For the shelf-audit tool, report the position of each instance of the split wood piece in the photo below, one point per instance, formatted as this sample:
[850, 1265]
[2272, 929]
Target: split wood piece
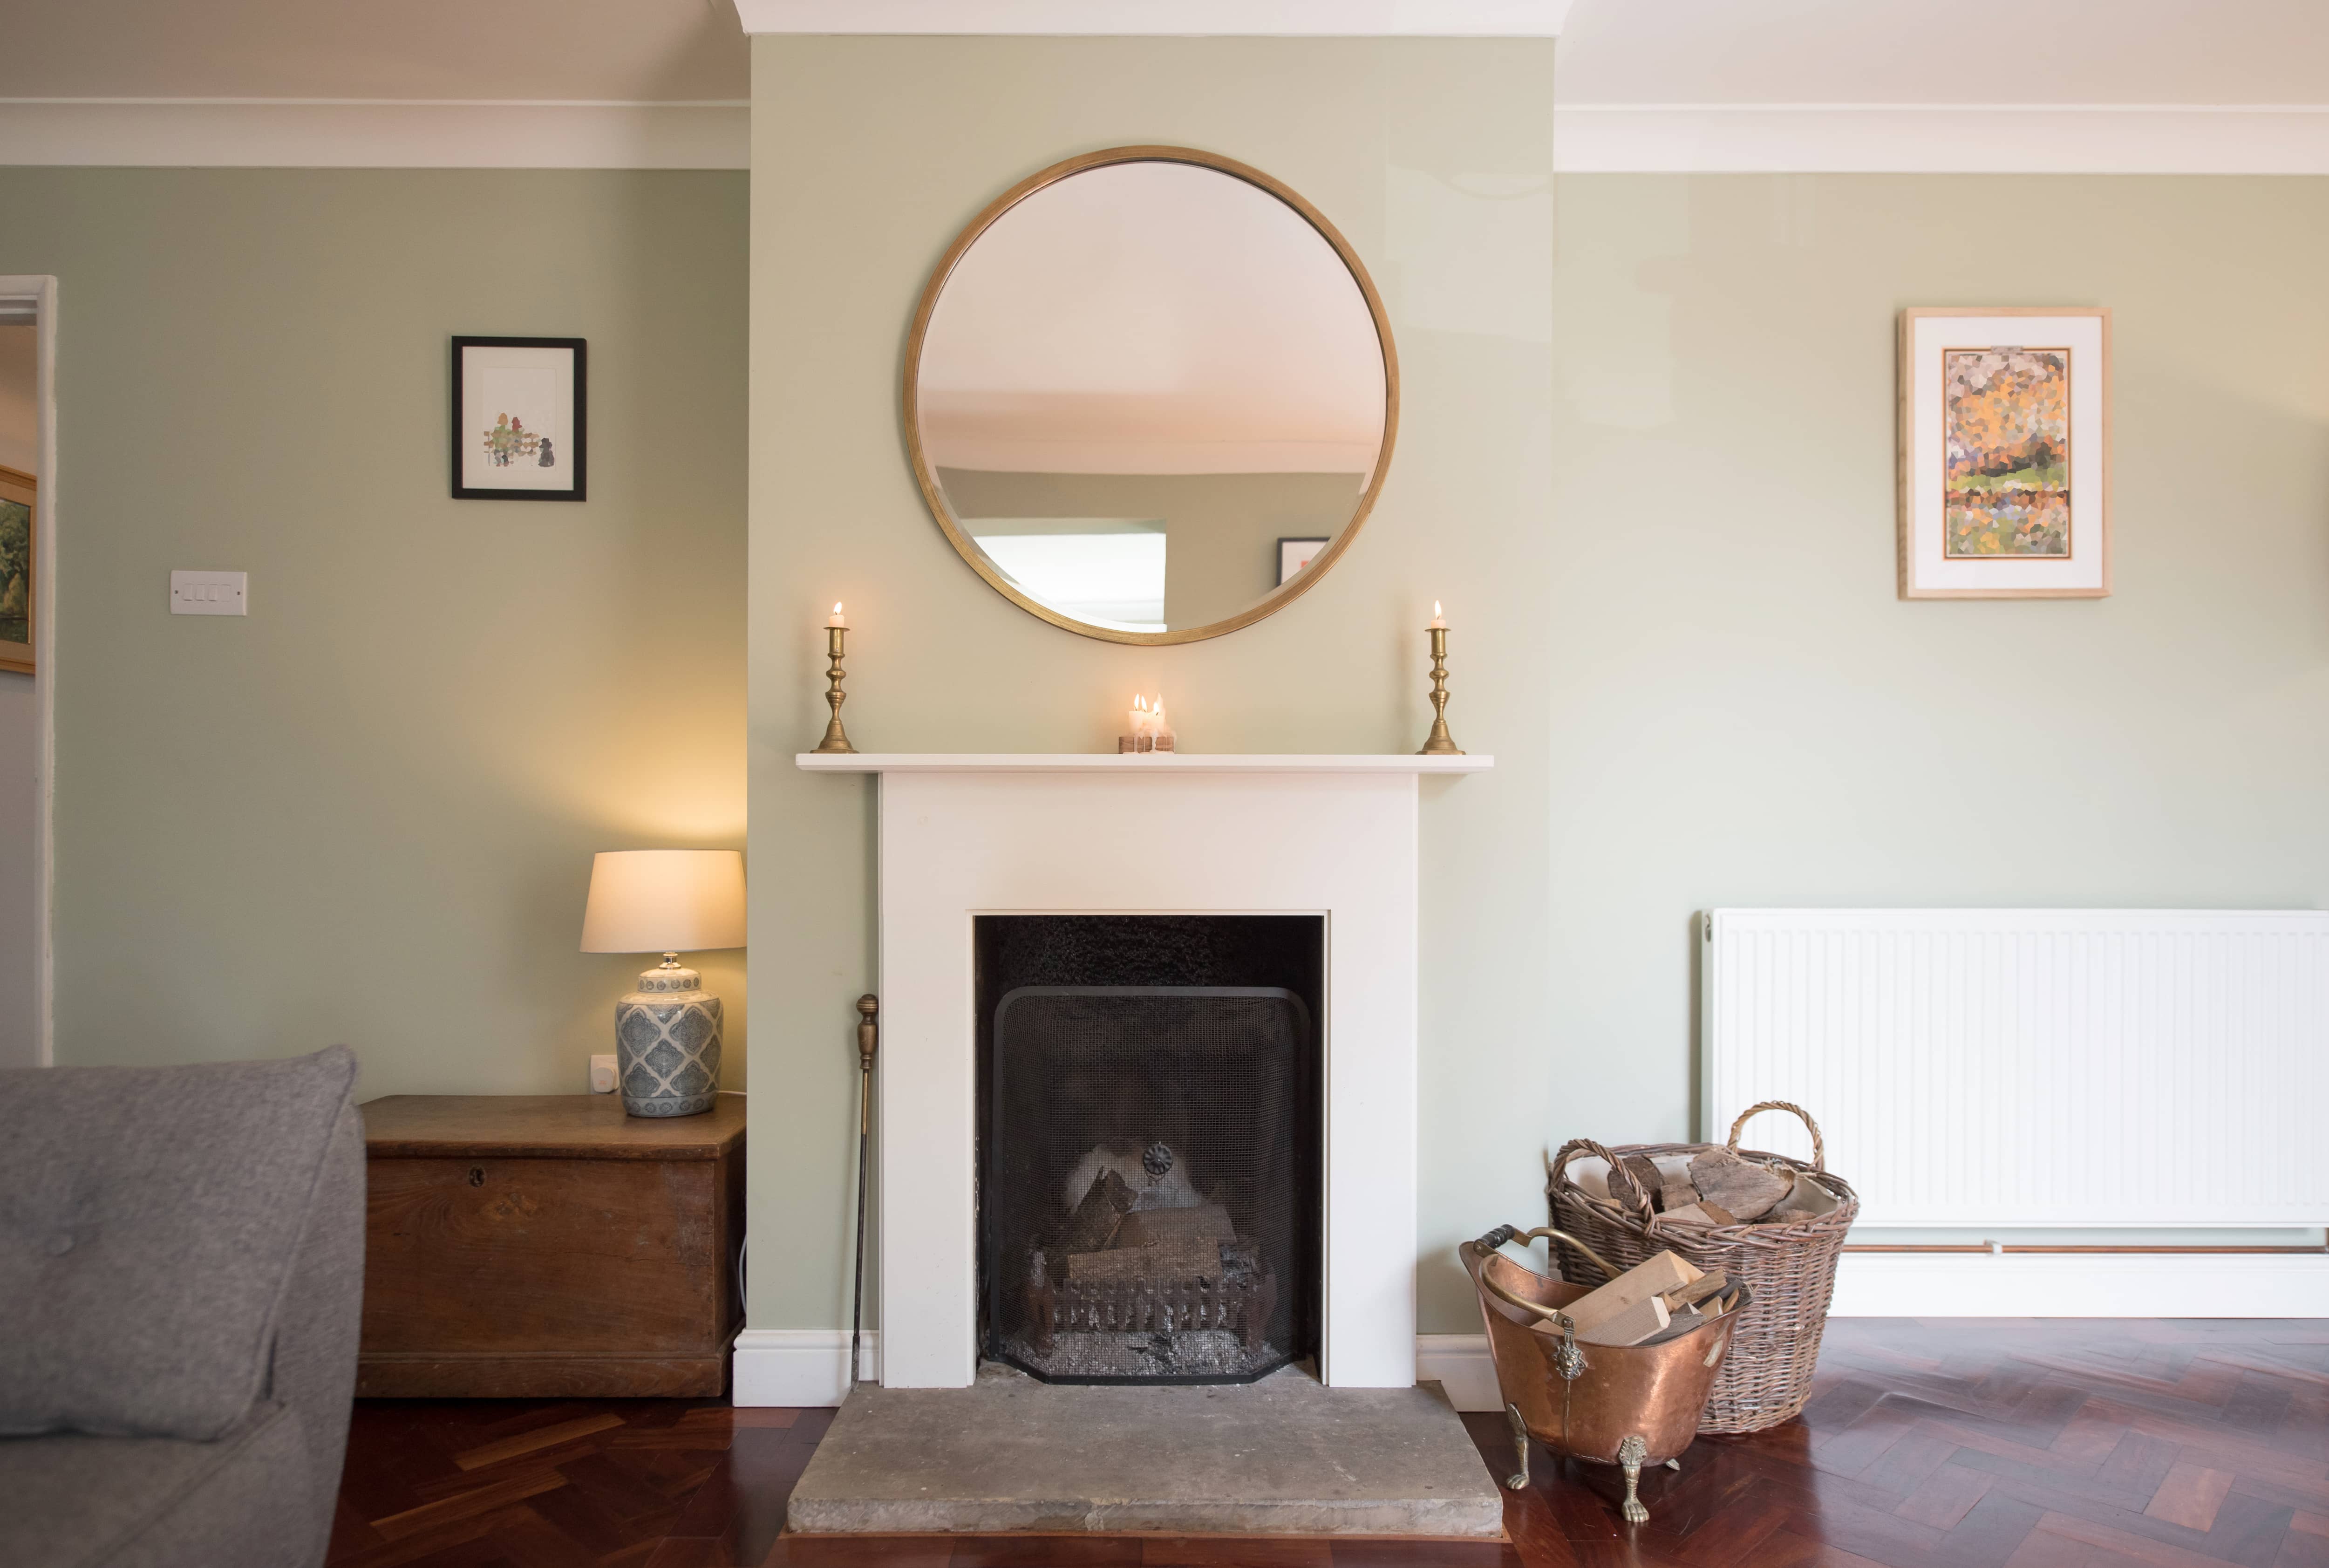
[1190, 1258]
[1644, 1319]
[1097, 1217]
[1640, 1283]
[1643, 1169]
[1705, 1211]
[1745, 1188]
[1805, 1200]
[1677, 1194]
[1696, 1290]
[1205, 1222]
[1680, 1324]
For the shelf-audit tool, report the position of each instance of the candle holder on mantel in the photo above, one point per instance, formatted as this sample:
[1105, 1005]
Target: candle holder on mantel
[836, 739]
[1440, 742]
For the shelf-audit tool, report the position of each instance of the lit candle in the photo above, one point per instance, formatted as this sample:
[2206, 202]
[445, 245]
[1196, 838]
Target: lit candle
[1438, 620]
[1139, 719]
[836, 619]
[1160, 731]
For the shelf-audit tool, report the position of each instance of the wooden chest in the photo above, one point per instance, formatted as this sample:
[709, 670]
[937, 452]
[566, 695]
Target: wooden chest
[548, 1246]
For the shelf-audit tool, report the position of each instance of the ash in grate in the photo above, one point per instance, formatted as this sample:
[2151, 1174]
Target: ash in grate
[1141, 1216]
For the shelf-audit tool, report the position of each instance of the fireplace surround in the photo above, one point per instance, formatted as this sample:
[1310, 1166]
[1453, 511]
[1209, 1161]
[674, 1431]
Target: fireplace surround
[1331, 839]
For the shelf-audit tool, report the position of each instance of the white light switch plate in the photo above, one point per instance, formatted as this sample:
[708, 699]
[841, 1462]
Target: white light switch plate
[602, 1076]
[209, 593]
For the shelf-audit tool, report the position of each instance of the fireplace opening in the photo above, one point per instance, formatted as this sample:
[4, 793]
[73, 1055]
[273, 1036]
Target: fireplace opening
[1149, 1151]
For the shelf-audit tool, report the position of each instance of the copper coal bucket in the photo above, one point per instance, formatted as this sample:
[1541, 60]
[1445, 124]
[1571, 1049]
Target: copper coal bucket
[1606, 1404]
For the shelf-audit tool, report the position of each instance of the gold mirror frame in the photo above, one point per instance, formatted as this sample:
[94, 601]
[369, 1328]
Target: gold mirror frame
[927, 477]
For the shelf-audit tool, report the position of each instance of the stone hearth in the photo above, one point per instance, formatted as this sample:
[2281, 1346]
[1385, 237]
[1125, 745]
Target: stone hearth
[1283, 1456]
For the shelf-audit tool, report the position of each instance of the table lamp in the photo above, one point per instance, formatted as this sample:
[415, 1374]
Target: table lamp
[667, 1032]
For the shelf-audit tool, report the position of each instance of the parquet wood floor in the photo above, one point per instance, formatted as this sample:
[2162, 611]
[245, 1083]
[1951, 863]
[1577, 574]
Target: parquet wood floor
[1993, 1444]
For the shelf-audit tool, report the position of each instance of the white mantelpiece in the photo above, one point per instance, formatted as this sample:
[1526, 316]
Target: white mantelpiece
[1079, 833]
[1153, 761]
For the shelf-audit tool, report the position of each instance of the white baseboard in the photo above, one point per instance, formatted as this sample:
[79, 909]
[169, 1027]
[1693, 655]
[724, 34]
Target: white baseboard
[2082, 1285]
[804, 1366]
[1459, 1364]
[799, 1367]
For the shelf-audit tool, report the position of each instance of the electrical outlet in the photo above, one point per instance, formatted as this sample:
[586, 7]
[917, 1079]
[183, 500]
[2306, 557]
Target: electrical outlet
[602, 1076]
[210, 594]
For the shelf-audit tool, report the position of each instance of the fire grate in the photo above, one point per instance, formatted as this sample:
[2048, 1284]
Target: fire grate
[1141, 1215]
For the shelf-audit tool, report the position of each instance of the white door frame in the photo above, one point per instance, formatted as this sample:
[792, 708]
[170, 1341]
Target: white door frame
[42, 291]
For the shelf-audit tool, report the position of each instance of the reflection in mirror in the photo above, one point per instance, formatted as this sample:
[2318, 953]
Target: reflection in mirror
[1138, 385]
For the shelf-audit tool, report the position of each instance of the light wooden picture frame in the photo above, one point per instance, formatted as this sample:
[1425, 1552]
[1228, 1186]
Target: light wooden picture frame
[20, 526]
[2004, 452]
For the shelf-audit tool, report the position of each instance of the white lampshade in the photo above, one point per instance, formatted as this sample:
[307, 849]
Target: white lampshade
[665, 901]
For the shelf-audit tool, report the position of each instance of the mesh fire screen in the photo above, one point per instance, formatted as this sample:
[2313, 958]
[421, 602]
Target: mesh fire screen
[1141, 1216]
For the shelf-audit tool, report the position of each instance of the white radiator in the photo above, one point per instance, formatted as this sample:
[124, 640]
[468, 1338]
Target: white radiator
[2032, 1067]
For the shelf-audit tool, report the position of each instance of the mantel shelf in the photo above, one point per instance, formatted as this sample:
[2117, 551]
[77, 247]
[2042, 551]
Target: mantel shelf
[1120, 762]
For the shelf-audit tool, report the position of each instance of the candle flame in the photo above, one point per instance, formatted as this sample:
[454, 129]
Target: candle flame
[1140, 703]
[1436, 610]
[836, 607]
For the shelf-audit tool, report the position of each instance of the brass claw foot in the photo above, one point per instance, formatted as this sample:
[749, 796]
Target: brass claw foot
[1630, 1455]
[1518, 1481]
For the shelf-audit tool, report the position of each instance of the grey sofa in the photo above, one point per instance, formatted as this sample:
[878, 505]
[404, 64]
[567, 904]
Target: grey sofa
[181, 1283]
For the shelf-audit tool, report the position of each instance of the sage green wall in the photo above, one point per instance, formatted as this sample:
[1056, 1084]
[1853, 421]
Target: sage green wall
[1745, 713]
[365, 813]
[1433, 157]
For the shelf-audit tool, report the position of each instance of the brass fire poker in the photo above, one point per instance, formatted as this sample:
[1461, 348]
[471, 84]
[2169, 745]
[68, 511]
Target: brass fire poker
[836, 739]
[1440, 742]
[868, 1041]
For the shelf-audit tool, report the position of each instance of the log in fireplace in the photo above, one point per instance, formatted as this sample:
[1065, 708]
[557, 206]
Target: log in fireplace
[1149, 1170]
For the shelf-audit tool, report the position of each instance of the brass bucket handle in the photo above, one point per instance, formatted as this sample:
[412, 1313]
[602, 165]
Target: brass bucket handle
[1729, 1302]
[1552, 1314]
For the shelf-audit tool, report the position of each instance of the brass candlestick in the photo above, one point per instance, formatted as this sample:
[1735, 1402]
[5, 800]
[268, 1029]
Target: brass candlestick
[835, 738]
[1440, 742]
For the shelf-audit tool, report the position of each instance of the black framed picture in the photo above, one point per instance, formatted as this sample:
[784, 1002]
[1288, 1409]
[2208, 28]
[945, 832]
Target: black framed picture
[1294, 554]
[518, 418]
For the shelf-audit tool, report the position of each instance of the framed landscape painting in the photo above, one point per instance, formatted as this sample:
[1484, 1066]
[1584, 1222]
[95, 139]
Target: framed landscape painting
[19, 495]
[2005, 453]
[519, 408]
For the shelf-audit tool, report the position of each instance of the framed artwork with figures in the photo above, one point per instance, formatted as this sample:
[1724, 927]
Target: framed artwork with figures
[19, 506]
[519, 408]
[2005, 452]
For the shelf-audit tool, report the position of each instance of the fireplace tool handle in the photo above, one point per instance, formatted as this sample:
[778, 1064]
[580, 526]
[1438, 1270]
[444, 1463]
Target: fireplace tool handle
[868, 1042]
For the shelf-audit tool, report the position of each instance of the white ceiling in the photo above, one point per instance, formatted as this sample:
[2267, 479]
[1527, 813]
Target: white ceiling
[1662, 52]
[1933, 52]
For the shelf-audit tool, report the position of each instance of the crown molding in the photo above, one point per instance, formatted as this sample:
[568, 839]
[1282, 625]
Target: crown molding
[373, 133]
[1939, 138]
[1588, 139]
[1163, 18]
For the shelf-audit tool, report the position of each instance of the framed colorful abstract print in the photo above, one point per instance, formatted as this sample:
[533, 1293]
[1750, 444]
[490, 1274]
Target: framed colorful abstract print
[519, 408]
[2005, 453]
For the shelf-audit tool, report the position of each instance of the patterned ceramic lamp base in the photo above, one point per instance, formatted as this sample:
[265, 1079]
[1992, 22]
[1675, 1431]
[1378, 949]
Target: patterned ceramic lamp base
[667, 1044]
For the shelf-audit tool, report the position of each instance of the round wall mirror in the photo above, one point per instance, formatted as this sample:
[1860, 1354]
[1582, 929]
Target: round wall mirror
[1150, 394]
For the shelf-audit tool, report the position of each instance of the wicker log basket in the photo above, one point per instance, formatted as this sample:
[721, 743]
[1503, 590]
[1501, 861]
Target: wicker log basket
[1788, 1266]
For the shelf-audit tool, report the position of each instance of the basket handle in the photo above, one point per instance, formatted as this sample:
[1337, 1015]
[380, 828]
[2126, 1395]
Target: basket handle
[1819, 1145]
[1618, 1174]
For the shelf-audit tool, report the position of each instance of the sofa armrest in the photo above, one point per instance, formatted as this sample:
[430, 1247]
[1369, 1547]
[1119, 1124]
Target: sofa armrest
[313, 1368]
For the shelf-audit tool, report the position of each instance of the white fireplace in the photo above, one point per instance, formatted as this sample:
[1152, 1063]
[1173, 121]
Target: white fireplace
[963, 837]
